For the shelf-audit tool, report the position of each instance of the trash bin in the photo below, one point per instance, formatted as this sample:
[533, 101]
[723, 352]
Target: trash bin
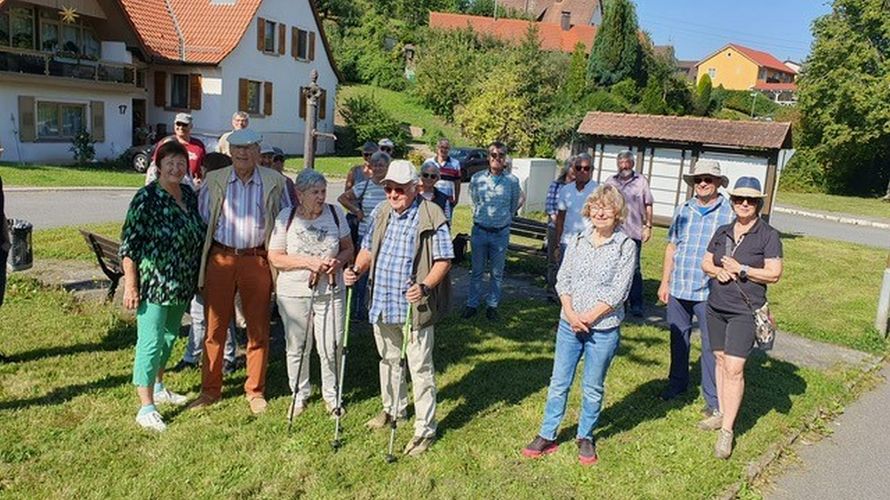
[21, 256]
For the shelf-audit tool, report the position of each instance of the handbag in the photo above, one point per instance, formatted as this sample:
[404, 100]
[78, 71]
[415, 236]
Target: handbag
[764, 323]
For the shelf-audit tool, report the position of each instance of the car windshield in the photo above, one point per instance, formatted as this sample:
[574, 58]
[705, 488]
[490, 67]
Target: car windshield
[460, 154]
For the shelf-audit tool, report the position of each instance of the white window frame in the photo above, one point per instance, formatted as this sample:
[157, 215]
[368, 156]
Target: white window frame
[59, 137]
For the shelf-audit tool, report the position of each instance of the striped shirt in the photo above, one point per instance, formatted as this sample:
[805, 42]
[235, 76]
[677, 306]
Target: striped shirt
[395, 262]
[449, 172]
[690, 231]
[369, 195]
[242, 221]
[495, 198]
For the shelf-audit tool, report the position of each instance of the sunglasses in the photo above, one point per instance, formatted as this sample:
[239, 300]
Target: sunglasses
[497, 156]
[367, 155]
[386, 149]
[429, 176]
[738, 200]
[390, 189]
[182, 125]
[705, 178]
[582, 168]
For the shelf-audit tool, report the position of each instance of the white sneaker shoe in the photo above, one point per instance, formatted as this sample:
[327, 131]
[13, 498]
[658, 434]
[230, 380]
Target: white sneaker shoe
[152, 421]
[169, 397]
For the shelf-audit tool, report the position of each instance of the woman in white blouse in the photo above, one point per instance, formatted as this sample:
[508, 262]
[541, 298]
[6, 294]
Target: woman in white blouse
[592, 285]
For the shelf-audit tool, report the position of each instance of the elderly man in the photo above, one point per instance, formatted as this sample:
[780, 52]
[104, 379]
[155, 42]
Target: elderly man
[638, 225]
[495, 195]
[240, 120]
[182, 132]
[684, 286]
[571, 199]
[449, 171]
[239, 204]
[408, 253]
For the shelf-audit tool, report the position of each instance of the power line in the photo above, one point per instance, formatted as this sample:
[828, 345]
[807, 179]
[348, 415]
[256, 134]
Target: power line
[727, 30]
[726, 38]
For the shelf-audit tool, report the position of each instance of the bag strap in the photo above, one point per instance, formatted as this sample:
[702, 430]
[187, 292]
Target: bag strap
[730, 243]
[293, 211]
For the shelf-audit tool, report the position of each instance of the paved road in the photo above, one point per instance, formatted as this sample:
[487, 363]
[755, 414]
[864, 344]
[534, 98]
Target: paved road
[796, 224]
[852, 462]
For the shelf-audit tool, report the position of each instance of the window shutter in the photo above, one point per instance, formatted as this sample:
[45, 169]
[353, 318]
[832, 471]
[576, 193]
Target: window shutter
[242, 94]
[282, 39]
[97, 120]
[311, 45]
[303, 102]
[160, 89]
[293, 41]
[267, 98]
[260, 34]
[27, 121]
[323, 105]
[195, 91]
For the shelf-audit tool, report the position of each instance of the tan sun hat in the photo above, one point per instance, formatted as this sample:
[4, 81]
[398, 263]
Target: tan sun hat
[401, 172]
[706, 167]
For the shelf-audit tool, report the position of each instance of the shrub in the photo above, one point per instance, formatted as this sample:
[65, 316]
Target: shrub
[82, 147]
[369, 121]
[416, 158]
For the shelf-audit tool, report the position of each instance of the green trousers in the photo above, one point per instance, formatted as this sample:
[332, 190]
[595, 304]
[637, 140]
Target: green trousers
[157, 327]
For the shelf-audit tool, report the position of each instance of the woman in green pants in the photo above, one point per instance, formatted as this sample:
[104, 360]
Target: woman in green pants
[160, 251]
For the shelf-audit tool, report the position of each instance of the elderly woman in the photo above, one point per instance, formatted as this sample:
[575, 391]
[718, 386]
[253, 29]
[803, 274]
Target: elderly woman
[429, 176]
[592, 284]
[358, 173]
[160, 251]
[566, 175]
[743, 257]
[360, 201]
[311, 243]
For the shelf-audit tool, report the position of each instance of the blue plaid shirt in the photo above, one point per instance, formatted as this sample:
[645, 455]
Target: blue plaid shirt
[395, 262]
[495, 198]
[691, 231]
[550, 203]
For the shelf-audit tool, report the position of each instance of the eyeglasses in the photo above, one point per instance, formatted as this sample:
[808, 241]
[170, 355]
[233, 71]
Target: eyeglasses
[582, 168]
[497, 156]
[390, 189]
[367, 155]
[386, 149]
[429, 176]
[707, 179]
[738, 200]
[604, 210]
[182, 125]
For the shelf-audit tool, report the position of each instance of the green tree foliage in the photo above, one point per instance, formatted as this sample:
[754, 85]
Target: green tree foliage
[363, 55]
[626, 90]
[576, 80]
[447, 63]
[486, 8]
[845, 97]
[498, 110]
[367, 120]
[741, 101]
[617, 50]
[701, 103]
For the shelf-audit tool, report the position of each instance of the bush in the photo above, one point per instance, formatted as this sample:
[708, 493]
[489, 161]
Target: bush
[82, 147]
[369, 121]
[802, 174]
[740, 100]
[416, 158]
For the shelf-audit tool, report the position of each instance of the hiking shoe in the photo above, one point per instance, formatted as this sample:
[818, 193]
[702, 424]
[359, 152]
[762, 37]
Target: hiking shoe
[332, 410]
[257, 404]
[419, 445]
[712, 423]
[382, 420]
[707, 411]
[169, 397]
[151, 421]
[587, 451]
[491, 313]
[723, 446]
[540, 447]
[203, 401]
[298, 408]
[670, 393]
[469, 312]
[183, 365]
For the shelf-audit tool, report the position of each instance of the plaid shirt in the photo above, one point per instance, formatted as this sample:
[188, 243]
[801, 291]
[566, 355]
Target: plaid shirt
[395, 262]
[495, 198]
[550, 203]
[691, 231]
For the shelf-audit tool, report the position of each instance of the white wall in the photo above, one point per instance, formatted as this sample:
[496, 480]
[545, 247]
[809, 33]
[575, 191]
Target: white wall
[118, 127]
[213, 118]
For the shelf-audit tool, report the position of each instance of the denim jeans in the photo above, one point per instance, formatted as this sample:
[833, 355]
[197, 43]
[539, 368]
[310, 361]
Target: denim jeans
[598, 348]
[194, 348]
[489, 248]
[359, 306]
[635, 298]
[679, 318]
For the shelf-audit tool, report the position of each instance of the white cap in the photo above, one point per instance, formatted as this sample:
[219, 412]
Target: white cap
[183, 118]
[401, 172]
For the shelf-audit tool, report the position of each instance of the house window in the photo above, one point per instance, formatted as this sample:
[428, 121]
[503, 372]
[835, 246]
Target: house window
[269, 37]
[69, 40]
[302, 51]
[49, 36]
[179, 91]
[712, 73]
[254, 97]
[21, 27]
[57, 120]
[92, 47]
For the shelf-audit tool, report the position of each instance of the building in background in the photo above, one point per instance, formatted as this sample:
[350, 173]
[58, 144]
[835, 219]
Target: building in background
[553, 36]
[576, 12]
[741, 68]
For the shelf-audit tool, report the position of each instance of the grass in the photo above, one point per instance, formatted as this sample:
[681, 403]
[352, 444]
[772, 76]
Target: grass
[406, 109]
[853, 205]
[15, 175]
[330, 166]
[67, 407]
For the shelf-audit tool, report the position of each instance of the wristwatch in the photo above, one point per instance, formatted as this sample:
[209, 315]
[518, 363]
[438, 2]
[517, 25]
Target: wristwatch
[425, 290]
[743, 272]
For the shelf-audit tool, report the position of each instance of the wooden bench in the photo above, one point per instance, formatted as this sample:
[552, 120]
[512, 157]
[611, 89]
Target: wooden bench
[106, 251]
[531, 229]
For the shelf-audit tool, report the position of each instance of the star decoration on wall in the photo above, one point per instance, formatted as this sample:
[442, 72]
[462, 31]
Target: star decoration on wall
[68, 15]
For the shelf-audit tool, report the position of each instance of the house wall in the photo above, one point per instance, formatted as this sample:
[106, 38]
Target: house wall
[118, 127]
[733, 70]
[213, 118]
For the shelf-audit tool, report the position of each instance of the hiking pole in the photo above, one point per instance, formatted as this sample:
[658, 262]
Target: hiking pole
[313, 280]
[335, 444]
[403, 365]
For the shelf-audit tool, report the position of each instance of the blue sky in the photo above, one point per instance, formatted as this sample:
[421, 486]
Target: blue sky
[697, 28]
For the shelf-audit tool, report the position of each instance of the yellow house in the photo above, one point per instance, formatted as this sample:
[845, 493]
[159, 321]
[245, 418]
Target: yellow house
[740, 68]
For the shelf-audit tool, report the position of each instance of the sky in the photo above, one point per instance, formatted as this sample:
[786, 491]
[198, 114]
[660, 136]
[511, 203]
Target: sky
[697, 28]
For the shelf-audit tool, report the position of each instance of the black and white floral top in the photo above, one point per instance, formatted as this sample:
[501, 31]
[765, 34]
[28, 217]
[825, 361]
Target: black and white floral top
[591, 274]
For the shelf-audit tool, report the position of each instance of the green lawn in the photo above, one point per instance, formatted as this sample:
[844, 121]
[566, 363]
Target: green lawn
[406, 109]
[853, 205]
[334, 167]
[15, 175]
[67, 408]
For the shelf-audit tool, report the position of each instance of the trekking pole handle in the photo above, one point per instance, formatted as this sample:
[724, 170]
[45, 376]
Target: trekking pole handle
[313, 279]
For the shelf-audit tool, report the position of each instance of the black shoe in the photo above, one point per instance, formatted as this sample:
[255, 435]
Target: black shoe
[670, 393]
[230, 367]
[183, 365]
[587, 451]
[469, 312]
[491, 313]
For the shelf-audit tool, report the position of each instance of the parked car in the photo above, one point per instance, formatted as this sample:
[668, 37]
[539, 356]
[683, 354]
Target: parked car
[471, 160]
[140, 156]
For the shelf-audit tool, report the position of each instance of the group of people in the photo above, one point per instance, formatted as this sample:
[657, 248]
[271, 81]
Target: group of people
[246, 231]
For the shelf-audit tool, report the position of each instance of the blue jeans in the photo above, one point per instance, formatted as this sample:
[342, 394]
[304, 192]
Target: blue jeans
[598, 348]
[359, 306]
[194, 348]
[679, 317]
[490, 248]
[635, 298]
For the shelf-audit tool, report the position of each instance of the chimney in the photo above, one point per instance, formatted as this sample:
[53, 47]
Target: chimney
[565, 20]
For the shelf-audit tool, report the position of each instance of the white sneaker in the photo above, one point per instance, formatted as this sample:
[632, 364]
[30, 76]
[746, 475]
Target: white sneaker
[151, 421]
[169, 397]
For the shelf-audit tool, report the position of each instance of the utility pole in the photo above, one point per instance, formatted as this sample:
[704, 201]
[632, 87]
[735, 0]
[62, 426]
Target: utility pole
[753, 102]
[312, 93]
[882, 319]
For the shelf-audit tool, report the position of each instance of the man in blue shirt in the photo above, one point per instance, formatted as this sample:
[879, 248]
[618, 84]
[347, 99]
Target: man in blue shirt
[495, 196]
[684, 286]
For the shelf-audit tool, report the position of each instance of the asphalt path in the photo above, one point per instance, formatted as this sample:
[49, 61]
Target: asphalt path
[808, 226]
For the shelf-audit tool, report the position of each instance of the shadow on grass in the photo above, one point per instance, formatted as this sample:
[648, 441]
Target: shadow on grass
[64, 394]
[120, 336]
[769, 385]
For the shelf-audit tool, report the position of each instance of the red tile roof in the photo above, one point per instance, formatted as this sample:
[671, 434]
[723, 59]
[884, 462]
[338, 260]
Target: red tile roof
[687, 129]
[552, 36]
[776, 87]
[550, 11]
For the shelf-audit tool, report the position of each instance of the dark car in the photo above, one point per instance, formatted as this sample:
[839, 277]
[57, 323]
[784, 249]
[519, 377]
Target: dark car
[471, 160]
[140, 156]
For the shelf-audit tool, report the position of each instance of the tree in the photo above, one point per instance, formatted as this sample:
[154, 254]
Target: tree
[497, 110]
[844, 97]
[701, 103]
[576, 81]
[617, 50]
[447, 64]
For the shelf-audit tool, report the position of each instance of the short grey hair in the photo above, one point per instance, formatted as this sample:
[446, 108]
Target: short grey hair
[626, 155]
[430, 167]
[443, 142]
[240, 114]
[309, 178]
[582, 157]
[380, 157]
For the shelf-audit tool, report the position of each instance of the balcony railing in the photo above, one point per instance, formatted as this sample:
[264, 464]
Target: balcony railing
[33, 62]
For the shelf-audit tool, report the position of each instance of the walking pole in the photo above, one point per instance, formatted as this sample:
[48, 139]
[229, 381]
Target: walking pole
[313, 280]
[335, 444]
[403, 365]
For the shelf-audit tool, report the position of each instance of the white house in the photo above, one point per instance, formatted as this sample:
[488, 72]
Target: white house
[118, 68]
